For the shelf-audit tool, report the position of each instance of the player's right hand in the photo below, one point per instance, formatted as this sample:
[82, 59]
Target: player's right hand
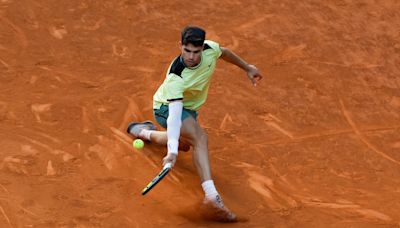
[170, 158]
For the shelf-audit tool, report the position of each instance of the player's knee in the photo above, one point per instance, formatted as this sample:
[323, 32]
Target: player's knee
[202, 138]
[196, 136]
[205, 137]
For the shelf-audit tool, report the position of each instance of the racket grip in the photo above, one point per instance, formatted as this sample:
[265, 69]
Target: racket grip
[168, 165]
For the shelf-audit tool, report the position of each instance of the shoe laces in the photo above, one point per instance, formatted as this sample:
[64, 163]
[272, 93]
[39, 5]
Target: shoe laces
[218, 201]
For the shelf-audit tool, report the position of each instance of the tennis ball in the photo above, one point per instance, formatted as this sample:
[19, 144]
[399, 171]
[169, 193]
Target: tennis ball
[138, 144]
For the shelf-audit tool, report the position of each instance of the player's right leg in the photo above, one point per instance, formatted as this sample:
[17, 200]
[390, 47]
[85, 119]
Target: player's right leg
[147, 131]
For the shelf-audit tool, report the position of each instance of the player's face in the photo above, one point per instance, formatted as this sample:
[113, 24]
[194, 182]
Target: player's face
[191, 54]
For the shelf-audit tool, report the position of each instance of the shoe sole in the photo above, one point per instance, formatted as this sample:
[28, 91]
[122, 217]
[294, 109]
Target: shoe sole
[132, 124]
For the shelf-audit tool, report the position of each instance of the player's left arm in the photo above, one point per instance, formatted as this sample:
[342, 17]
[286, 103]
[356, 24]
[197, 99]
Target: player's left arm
[252, 71]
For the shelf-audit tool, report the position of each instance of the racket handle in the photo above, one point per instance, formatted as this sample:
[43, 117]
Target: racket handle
[168, 166]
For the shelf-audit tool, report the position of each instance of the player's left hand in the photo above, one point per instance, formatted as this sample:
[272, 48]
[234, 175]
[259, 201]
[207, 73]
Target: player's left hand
[254, 74]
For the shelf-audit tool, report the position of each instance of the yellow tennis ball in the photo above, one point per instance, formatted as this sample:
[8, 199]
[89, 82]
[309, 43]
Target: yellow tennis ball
[138, 144]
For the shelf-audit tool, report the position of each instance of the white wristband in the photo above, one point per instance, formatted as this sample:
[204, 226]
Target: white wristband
[168, 165]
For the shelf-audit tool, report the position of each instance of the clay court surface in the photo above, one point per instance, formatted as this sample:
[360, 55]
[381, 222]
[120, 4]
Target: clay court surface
[315, 144]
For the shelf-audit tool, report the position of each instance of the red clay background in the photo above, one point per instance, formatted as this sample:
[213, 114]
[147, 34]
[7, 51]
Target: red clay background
[316, 144]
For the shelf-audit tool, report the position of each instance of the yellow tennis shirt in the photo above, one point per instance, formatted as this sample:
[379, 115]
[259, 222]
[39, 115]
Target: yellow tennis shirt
[189, 84]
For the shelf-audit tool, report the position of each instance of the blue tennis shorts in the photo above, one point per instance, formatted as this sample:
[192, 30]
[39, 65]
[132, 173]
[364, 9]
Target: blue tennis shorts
[162, 113]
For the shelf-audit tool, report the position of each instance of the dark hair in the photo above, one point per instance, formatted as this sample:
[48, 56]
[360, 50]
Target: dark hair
[193, 35]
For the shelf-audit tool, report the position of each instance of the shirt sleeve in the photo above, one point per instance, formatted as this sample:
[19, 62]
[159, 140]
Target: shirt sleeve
[215, 47]
[173, 88]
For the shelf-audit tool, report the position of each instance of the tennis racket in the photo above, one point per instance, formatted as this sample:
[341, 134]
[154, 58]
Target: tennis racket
[167, 167]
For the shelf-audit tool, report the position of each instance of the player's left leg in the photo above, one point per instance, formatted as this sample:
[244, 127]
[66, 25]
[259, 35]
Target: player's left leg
[198, 138]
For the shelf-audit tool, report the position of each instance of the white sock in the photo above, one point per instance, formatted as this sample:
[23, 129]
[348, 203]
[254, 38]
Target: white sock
[145, 134]
[209, 189]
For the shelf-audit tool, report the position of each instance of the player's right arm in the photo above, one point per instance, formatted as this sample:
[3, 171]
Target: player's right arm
[174, 96]
[174, 123]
